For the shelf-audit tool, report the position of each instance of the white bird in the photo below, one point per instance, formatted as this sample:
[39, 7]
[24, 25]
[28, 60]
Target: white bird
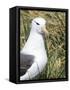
[33, 57]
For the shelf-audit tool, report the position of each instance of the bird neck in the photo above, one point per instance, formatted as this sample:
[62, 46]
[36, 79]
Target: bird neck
[35, 35]
[35, 42]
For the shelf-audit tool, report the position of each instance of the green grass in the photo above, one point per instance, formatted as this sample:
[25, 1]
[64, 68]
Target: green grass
[55, 42]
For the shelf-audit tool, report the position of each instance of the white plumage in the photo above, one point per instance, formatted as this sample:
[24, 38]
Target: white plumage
[34, 47]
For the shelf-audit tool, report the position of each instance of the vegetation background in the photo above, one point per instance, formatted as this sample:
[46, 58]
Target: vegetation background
[55, 42]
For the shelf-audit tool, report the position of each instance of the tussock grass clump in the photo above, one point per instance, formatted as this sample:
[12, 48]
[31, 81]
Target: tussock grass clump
[55, 42]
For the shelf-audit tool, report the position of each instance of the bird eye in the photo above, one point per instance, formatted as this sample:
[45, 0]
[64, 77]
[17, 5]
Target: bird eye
[37, 23]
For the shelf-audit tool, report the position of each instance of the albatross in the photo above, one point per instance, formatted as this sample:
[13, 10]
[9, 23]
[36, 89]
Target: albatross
[33, 57]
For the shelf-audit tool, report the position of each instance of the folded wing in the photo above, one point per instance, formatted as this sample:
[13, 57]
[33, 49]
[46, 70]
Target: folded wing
[25, 62]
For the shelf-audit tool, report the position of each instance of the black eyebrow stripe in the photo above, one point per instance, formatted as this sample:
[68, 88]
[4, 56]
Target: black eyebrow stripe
[37, 23]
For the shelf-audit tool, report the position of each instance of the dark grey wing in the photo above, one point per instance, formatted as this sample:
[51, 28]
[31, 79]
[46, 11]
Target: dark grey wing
[25, 62]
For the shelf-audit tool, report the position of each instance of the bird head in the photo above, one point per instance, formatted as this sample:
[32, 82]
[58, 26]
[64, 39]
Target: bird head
[39, 25]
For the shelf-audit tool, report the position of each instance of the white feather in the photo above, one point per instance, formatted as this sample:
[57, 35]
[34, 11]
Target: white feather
[35, 46]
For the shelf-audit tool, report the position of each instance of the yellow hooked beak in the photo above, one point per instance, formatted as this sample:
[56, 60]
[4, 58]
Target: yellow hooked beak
[45, 30]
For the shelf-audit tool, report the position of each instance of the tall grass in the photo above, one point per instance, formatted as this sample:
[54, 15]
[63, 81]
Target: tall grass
[55, 43]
